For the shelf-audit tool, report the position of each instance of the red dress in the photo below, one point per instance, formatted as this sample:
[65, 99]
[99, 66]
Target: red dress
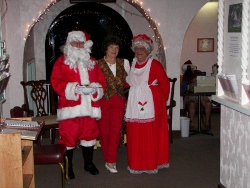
[147, 141]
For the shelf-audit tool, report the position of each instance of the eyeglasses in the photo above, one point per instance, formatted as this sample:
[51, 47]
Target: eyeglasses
[140, 49]
[77, 44]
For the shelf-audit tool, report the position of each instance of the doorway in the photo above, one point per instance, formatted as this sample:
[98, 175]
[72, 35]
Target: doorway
[96, 19]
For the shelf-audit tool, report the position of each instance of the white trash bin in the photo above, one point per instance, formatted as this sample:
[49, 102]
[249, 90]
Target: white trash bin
[185, 121]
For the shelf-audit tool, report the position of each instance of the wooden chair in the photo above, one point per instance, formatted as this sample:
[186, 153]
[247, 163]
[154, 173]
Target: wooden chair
[41, 95]
[170, 106]
[53, 154]
[17, 111]
[47, 154]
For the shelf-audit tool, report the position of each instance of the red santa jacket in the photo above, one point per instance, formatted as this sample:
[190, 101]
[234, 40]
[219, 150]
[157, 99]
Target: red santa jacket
[70, 104]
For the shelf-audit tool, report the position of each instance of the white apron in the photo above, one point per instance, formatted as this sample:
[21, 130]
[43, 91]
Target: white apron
[140, 105]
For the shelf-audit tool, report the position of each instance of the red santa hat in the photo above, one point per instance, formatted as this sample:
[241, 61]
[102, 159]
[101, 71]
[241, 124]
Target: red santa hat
[188, 63]
[79, 36]
[143, 40]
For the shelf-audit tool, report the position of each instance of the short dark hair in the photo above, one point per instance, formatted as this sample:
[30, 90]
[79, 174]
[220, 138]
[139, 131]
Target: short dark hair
[110, 40]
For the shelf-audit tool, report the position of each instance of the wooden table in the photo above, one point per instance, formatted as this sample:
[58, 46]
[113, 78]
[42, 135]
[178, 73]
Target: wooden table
[50, 123]
[198, 95]
[17, 161]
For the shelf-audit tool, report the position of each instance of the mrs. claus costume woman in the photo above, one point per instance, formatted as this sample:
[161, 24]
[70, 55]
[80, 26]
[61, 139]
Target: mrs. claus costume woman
[146, 116]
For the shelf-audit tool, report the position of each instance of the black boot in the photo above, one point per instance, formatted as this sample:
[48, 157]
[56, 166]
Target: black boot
[70, 170]
[87, 153]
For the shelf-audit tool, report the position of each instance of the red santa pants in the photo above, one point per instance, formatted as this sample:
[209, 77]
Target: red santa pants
[77, 129]
[110, 126]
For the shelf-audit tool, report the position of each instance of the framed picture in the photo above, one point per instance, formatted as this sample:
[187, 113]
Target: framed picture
[205, 44]
[235, 18]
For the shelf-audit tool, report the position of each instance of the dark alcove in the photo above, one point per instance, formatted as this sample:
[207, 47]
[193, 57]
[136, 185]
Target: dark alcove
[98, 20]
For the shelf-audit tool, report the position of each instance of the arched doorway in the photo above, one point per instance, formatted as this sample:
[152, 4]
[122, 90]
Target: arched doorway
[207, 29]
[98, 20]
[34, 49]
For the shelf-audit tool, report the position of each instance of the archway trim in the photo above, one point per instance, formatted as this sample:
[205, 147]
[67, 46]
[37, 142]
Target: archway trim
[152, 23]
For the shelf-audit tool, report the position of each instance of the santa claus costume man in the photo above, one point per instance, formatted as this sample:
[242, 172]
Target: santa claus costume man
[77, 111]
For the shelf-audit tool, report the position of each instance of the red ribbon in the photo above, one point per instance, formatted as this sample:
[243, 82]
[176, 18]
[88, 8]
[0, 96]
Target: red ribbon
[141, 103]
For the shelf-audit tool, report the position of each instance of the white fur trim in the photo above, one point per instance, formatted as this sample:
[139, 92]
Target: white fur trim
[68, 148]
[83, 109]
[84, 75]
[77, 36]
[70, 91]
[97, 113]
[88, 44]
[99, 91]
[87, 143]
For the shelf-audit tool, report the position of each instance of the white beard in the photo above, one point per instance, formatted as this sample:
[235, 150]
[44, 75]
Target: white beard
[75, 56]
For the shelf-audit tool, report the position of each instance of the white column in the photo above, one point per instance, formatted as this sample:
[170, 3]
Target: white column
[244, 50]
[221, 12]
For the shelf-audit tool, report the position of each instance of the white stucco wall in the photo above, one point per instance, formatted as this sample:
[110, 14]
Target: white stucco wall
[235, 117]
[235, 149]
[174, 16]
[204, 25]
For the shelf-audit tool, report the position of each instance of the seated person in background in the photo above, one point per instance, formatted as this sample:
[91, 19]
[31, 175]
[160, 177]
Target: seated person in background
[187, 79]
[191, 101]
